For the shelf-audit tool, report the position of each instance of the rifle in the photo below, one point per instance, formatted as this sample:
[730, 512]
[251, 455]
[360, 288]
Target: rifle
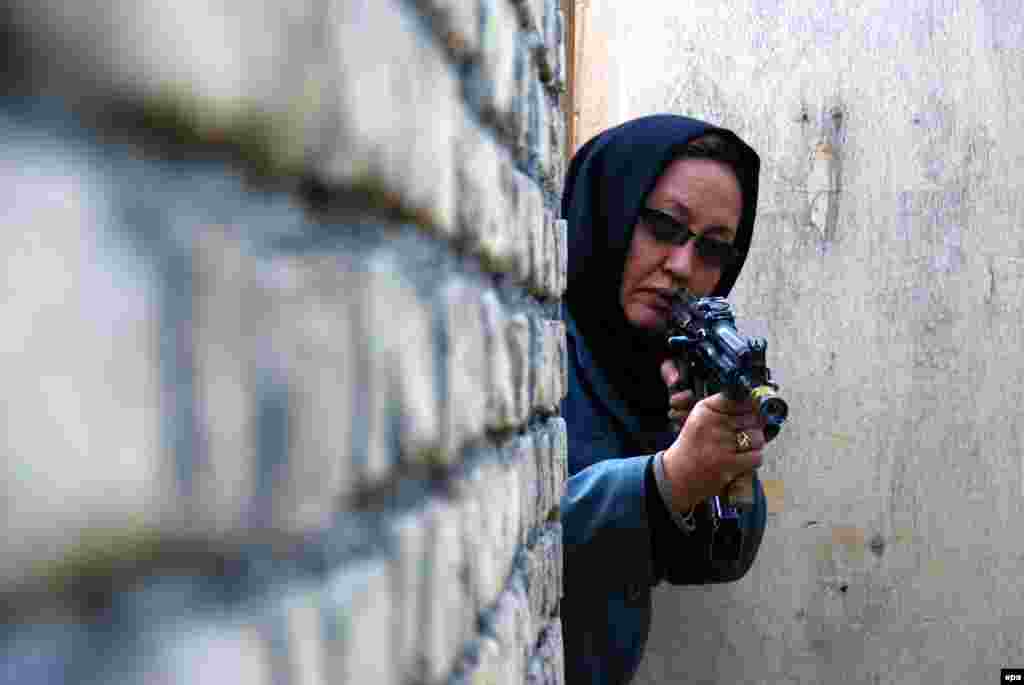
[704, 342]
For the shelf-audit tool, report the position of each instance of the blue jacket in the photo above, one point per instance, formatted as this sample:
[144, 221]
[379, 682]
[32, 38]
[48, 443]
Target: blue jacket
[619, 541]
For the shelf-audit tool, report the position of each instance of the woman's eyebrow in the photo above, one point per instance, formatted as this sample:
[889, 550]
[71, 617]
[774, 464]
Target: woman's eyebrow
[673, 210]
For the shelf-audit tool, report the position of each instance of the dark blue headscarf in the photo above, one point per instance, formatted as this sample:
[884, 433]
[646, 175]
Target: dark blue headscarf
[608, 181]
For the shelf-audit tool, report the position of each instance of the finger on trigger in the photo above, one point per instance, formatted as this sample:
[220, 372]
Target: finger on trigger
[682, 400]
[721, 403]
[669, 372]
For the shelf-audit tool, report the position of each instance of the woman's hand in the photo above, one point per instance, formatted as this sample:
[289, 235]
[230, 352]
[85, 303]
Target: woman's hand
[709, 452]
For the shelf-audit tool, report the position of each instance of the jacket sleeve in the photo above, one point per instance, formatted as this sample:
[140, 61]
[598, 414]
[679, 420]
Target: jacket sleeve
[614, 522]
[605, 524]
[686, 558]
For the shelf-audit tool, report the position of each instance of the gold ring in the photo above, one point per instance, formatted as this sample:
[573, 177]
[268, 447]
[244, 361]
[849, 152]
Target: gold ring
[742, 440]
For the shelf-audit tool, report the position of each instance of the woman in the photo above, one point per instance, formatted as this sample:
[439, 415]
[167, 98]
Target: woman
[654, 205]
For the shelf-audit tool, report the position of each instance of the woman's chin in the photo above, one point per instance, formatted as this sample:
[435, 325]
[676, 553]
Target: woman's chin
[647, 317]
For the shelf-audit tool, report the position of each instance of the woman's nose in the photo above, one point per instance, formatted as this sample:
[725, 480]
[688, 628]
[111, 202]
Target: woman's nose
[682, 259]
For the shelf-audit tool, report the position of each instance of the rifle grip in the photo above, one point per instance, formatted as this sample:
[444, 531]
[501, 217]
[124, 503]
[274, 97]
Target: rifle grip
[740, 492]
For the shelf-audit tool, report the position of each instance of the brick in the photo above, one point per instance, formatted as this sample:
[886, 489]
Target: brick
[511, 185]
[547, 663]
[398, 117]
[84, 441]
[532, 217]
[524, 78]
[551, 253]
[544, 573]
[562, 257]
[557, 159]
[466, 368]
[501, 401]
[339, 360]
[512, 627]
[257, 75]
[542, 441]
[398, 339]
[550, 441]
[541, 156]
[544, 36]
[483, 208]
[534, 104]
[489, 502]
[544, 60]
[358, 610]
[563, 365]
[518, 329]
[508, 531]
[505, 520]
[304, 622]
[377, 308]
[551, 37]
[561, 79]
[481, 565]
[353, 381]
[560, 453]
[525, 210]
[497, 68]
[559, 371]
[411, 535]
[538, 233]
[531, 205]
[253, 338]
[525, 459]
[227, 294]
[309, 329]
[448, 616]
[550, 386]
[557, 237]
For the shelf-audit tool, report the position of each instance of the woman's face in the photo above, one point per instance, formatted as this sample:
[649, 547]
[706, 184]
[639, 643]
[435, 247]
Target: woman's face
[704, 196]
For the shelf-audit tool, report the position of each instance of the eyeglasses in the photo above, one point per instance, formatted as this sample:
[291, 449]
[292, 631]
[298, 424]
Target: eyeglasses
[666, 229]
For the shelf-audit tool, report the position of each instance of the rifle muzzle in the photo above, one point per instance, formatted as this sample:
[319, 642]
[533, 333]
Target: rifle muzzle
[772, 407]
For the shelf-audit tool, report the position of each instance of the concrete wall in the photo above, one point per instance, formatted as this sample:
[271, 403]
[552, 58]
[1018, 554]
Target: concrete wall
[282, 355]
[887, 272]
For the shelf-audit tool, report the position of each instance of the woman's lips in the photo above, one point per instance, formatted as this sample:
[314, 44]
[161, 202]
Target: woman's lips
[659, 300]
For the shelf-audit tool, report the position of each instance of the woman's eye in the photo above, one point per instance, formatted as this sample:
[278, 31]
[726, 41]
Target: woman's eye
[669, 229]
[663, 229]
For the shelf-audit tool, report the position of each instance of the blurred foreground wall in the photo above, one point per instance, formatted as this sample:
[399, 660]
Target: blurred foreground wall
[887, 272]
[281, 357]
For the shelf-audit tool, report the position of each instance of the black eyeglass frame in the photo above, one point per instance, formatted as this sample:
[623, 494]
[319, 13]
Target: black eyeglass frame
[666, 229]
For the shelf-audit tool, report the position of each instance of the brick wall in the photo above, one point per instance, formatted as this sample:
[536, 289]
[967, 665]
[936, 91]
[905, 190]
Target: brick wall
[282, 354]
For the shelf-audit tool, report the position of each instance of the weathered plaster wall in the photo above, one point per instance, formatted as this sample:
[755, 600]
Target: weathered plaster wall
[596, 68]
[888, 274]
